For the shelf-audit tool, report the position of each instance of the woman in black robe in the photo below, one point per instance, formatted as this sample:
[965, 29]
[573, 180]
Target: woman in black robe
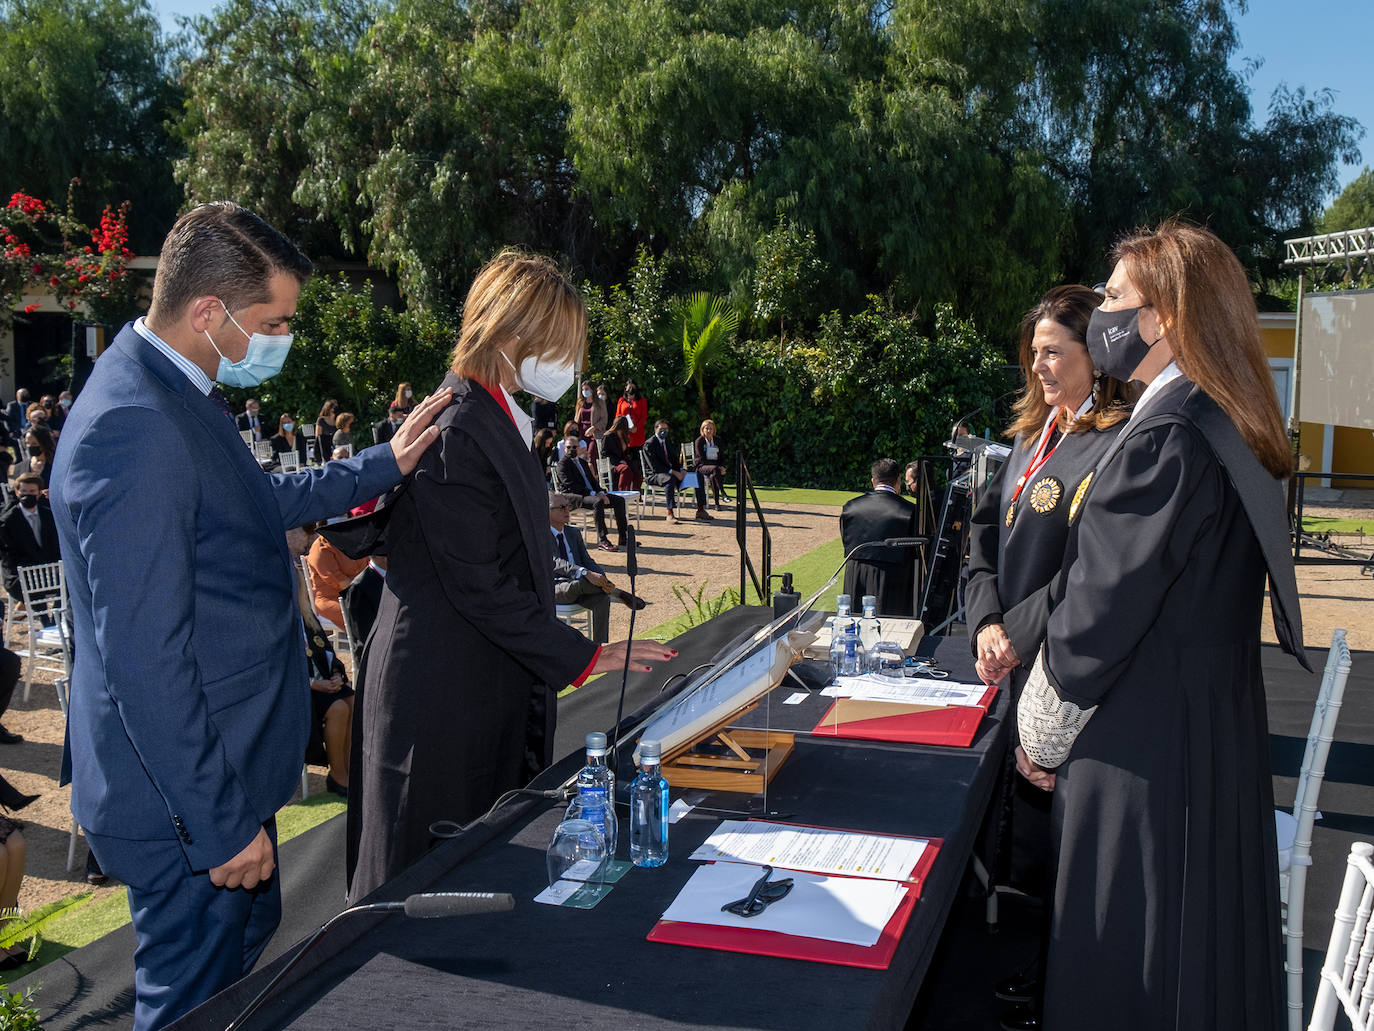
[461, 671]
[1166, 894]
[1067, 416]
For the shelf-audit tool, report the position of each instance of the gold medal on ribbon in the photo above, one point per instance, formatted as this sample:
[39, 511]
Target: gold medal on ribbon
[319, 641]
[1078, 496]
[1045, 494]
[1011, 512]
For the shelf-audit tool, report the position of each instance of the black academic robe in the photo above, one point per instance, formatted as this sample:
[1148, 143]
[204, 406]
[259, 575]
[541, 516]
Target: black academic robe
[465, 640]
[1166, 894]
[886, 573]
[1011, 565]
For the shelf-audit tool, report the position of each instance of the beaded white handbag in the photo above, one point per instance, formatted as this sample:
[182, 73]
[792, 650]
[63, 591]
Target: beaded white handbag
[1048, 724]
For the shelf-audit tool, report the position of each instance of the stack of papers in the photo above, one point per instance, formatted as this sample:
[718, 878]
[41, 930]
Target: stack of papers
[872, 687]
[813, 848]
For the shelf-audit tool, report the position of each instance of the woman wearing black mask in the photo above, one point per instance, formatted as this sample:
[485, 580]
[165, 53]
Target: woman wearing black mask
[1145, 711]
[39, 446]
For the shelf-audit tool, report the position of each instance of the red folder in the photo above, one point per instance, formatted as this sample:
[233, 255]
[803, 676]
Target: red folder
[877, 956]
[911, 724]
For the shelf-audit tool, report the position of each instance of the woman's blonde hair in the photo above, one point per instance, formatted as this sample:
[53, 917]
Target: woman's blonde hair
[704, 424]
[523, 303]
[1070, 306]
[1202, 297]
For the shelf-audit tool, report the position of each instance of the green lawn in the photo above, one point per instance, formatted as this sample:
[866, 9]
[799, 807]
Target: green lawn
[88, 920]
[1319, 524]
[802, 496]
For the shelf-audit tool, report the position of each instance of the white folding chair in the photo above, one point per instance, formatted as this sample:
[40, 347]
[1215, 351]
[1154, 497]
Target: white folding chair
[262, 451]
[650, 492]
[45, 611]
[247, 436]
[290, 461]
[689, 456]
[603, 475]
[335, 631]
[1295, 828]
[577, 617]
[1345, 981]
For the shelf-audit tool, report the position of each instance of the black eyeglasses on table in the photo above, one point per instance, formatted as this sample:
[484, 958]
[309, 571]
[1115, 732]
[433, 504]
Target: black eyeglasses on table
[762, 895]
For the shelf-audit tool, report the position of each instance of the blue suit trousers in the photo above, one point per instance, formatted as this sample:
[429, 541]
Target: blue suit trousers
[193, 939]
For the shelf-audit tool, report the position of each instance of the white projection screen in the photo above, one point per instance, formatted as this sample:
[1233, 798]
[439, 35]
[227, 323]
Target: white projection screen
[1337, 359]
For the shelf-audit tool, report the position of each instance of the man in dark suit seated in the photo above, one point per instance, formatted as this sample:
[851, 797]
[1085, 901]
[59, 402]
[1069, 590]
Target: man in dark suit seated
[665, 463]
[885, 572]
[574, 477]
[28, 536]
[248, 419]
[577, 579]
[383, 431]
[14, 413]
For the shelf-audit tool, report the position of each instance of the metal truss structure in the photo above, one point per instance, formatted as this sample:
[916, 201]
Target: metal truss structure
[1342, 248]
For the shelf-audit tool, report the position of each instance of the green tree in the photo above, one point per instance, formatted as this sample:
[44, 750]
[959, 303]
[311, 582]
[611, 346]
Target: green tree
[85, 93]
[260, 72]
[1354, 208]
[708, 325]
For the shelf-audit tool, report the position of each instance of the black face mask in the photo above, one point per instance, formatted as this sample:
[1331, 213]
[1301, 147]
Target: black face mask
[1114, 341]
[28, 500]
[630, 395]
[34, 451]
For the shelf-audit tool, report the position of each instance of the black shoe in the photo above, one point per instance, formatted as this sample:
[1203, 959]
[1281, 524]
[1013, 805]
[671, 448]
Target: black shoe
[703, 516]
[6, 738]
[629, 600]
[1020, 987]
[12, 798]
[94, 875]
[334, 786]
[1021, 1018]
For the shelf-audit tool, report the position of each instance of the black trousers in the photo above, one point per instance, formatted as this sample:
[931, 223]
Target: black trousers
[598, 503]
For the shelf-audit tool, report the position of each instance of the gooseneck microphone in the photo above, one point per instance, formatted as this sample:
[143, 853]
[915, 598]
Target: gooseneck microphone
[424, 906]
[631, 570]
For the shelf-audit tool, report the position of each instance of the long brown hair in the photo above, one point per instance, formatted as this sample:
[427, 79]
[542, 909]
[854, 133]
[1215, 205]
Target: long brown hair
[524, 303]
[1070, 306]
[1202, 297]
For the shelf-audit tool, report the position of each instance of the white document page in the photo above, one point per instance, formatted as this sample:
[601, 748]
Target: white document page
[871, 687]
[812, 848]
[853, 910]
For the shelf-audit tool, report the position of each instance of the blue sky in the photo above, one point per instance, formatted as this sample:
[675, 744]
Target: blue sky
[1316, 44]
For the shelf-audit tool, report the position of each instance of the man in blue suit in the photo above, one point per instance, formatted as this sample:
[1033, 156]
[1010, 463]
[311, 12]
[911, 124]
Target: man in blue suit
[189, 696]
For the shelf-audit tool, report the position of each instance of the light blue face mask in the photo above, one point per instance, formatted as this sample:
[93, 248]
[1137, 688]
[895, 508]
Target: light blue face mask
[264, 359]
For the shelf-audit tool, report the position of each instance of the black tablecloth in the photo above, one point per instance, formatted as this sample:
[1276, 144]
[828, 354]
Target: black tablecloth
[570, 968]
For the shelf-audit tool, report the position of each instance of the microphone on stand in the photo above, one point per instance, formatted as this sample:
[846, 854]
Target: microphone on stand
[424, 906]
[631, 570]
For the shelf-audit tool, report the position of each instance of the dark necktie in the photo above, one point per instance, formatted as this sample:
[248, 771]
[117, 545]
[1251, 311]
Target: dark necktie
[563, 548]
[222, 403]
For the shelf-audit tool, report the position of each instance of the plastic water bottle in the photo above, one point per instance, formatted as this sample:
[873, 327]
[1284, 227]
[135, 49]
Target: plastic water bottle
[870, 627]
[841, 618]
[596, 791]
[649, 810]
[853, 658]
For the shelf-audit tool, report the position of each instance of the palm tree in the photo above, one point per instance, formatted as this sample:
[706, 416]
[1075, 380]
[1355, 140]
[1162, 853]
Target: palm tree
[708, 323]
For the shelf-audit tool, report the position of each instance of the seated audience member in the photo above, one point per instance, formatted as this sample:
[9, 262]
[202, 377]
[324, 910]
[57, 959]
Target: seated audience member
[542, 450]
[708, 459]
[38, 416]
[343, 431]
[28, 535]
[8, 449]
[574, 477]
[666, 463]
[383, 431]
[14, 412]
[56, 415]
[405, 399]
[331, 695]
[331, 571]
[569, 430]
[615, 446]
[577, 579]
[289, 438]
[39, 446]
[885, 572]
[249, 419]
[545, 414]
[12, 858]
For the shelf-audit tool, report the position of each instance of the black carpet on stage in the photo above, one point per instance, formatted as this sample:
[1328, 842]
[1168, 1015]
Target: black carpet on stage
[92, 987]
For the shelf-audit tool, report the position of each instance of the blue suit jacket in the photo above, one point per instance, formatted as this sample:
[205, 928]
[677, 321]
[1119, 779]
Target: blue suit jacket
[189, 699]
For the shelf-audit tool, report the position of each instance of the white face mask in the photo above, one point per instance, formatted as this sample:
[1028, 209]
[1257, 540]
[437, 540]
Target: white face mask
[409, 394]
[586, 393]
[543, 378]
